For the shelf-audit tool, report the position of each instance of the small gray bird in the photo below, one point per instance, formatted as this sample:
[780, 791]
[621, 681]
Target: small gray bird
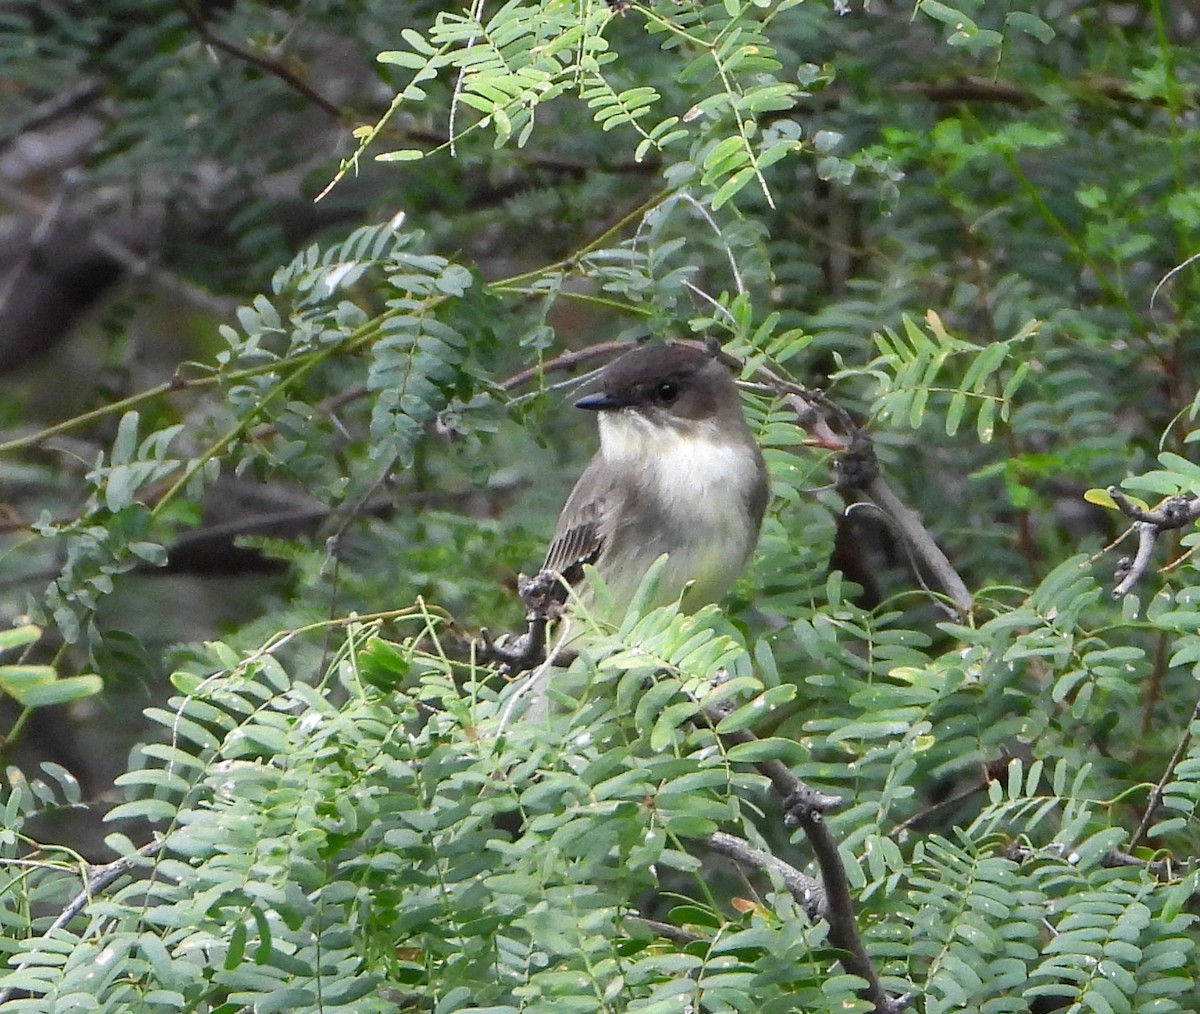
[678, 472]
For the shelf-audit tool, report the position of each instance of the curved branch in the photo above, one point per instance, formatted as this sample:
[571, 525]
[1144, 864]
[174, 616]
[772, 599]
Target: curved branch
[263, 63]
[805, 807]
[833, 428]
[807, 892]
[99, 879]
[1149, 524]
[1157, 792]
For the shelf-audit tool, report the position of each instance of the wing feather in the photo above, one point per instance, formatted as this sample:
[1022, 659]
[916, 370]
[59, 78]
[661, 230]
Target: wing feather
[583, 527]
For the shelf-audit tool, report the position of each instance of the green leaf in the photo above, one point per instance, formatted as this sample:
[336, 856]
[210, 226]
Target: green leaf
[63, 691]
[985, 425]
[1101, 498]
[1030, 24]
[756, 710]
[771, 748]
[672, 716]
[1189, 471]
[402, 58]
[400, 155]
[954, 414]
[18, 637]
[125, 445]
[17, 680]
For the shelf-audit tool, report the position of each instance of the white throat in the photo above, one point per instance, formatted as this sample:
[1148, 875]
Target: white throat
[701, 481]
[680, 456]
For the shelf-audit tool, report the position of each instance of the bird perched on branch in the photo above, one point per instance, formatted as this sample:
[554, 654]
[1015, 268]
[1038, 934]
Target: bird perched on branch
[678, 472]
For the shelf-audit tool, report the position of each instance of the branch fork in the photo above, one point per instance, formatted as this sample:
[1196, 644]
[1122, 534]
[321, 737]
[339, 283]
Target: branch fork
[1149, 523]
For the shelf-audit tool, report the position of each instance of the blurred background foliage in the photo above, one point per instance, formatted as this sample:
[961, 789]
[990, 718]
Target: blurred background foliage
[231, 409]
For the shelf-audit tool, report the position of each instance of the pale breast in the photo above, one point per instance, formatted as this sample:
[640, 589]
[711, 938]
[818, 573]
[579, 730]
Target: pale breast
[699, 487]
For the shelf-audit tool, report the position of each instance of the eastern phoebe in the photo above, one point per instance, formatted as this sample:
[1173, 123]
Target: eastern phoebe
[678, 472]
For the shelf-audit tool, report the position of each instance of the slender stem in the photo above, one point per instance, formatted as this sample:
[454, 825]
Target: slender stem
[569, 262]
[17, 727]
[242, 426]
[579, 297]
[157, 391]
[803, 888]
[807, 807]
[1169, 773]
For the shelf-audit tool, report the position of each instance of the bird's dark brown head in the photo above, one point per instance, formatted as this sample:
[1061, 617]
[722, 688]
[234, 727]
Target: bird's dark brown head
[673, 380]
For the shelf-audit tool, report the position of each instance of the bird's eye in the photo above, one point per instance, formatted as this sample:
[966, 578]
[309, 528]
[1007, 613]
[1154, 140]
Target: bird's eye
[667, 392]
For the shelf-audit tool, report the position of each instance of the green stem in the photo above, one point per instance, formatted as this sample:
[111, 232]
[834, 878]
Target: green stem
[568, 263]
[579, 297]
[17, 726]
[134, 400]
[307, 365]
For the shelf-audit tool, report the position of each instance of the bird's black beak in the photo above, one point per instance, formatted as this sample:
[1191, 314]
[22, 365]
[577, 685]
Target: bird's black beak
[598, 402]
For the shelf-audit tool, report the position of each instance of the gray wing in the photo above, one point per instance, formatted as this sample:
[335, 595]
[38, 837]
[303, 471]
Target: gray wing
[585, 525]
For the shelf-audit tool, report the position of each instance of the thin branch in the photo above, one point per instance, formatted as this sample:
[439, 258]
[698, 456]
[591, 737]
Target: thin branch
[1156, 793]
[805, 807]
[1114, 858]
[1171, 274]
[934, 809]
[971, 88]
[99, 879]
[456, 96]
[832, 427]
[676, 934]
[807, 892]
[1149, 524]
[1173, 512]
[684, 196]
[83, 92]
[567, 361]
[917, 537]
[263, 63]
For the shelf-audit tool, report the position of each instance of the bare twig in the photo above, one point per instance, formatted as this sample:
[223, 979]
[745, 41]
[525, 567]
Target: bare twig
[81, 93]
[1156, 793]
[1149, 524]
[676, 934]
[805, 807]
[807, 892]
[972, 88]
[99, 879]
[564, 362]
[263, 63]
[917, 537]
[1160, 868]
[1173, 512]
[832, 427]
[934, 809]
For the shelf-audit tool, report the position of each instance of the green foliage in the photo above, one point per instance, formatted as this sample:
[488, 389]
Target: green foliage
[908, 367]
[39, 686]
[527, 55]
